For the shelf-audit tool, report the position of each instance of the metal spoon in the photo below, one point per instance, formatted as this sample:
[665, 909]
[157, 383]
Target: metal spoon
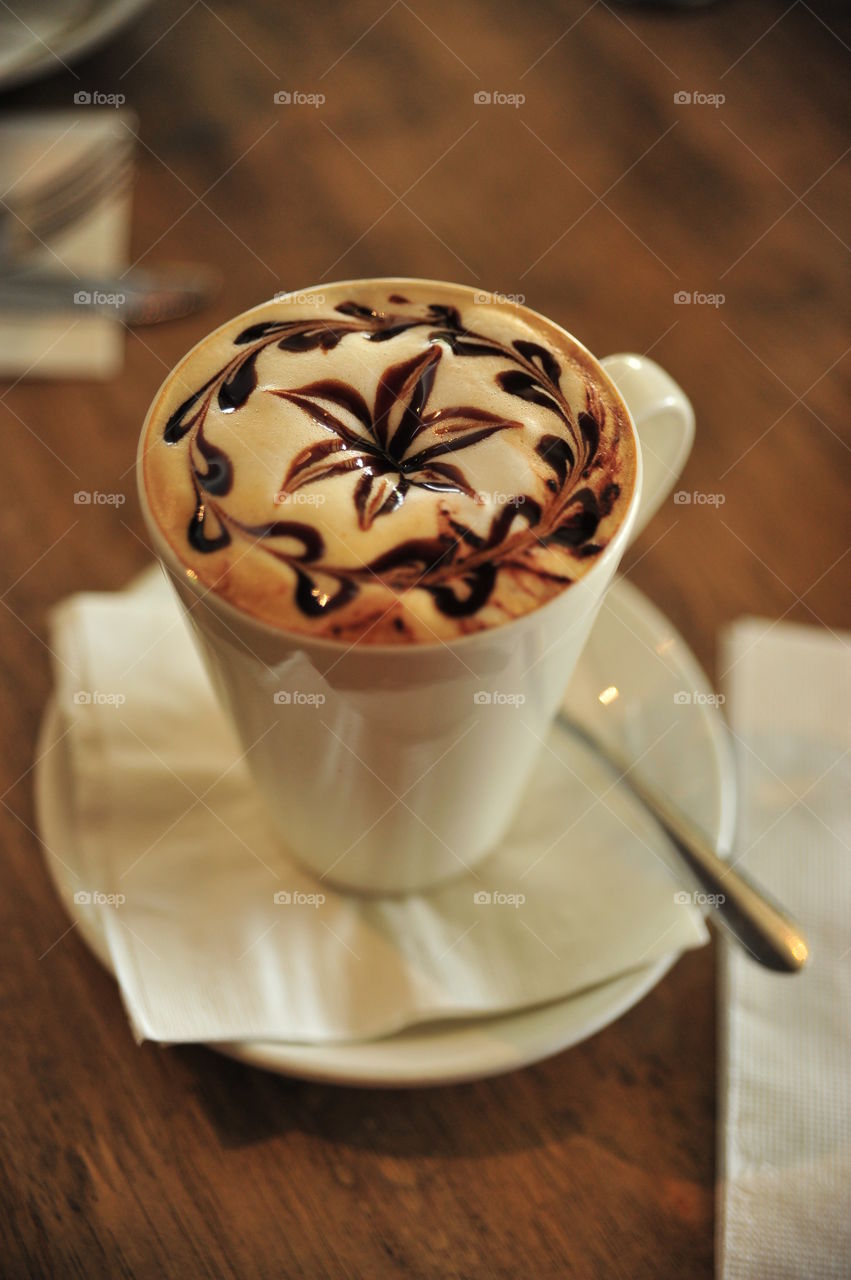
[761, 926]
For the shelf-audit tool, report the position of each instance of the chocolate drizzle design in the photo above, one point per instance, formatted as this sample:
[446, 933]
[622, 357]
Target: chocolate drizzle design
[393, 446]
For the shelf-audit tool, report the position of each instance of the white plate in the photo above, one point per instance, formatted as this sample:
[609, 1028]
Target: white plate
[53, 33]
[632, 650]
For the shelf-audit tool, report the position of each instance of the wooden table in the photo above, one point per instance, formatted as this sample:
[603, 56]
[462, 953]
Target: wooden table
[598, 198]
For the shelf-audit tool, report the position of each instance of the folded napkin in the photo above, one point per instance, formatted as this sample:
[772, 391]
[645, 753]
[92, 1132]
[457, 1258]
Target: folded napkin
[35, 149]
[785, 1079]
[216, 934]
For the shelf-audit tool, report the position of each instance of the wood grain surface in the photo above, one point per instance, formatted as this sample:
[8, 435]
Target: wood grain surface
[598, 198]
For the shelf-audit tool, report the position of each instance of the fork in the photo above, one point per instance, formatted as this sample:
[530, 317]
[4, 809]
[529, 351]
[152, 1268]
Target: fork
[134, 297]
[28, 222]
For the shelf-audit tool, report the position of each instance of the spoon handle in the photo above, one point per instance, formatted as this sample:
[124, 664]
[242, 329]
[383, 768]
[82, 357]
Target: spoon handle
[766, 932]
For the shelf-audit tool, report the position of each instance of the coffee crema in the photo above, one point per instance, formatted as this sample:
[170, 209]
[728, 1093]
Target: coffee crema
[387, 461]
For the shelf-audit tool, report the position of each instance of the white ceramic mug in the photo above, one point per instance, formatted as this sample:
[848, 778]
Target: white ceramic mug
[392, 768]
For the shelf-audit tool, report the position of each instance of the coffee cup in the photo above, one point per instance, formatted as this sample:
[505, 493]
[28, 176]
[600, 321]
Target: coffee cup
[392, 758]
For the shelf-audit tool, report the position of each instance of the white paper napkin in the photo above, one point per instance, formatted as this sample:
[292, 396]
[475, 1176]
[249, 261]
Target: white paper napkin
[78, 343]
[785, 1080]
[169, 826]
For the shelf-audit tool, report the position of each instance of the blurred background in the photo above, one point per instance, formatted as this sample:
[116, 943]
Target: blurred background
[672, 181]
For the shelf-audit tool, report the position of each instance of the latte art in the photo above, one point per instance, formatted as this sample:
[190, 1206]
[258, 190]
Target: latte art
[387, 462]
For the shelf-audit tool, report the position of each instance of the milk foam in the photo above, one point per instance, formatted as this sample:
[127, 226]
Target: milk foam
[387, 462]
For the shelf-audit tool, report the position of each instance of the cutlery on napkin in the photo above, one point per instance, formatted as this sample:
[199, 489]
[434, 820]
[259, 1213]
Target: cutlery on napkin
[36, 151]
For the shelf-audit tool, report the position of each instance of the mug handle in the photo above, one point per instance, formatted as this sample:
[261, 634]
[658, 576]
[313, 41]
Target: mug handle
[664, 420]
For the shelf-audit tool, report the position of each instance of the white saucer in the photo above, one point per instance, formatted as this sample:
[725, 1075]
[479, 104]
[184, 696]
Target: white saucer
[637, 657]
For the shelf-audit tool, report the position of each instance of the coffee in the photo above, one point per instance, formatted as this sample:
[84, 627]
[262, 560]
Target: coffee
[387, 462]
